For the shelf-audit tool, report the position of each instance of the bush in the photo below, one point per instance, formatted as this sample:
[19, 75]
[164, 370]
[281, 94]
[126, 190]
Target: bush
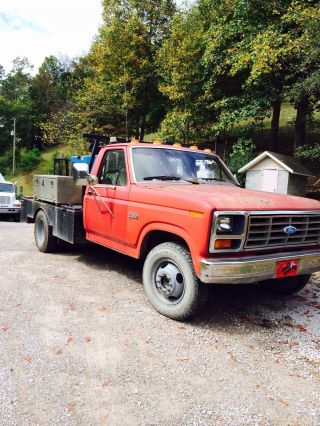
[29, 160]
[242, 153]
[6, 163]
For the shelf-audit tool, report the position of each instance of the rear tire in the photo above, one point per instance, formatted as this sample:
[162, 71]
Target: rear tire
[171, 284]
[286, 286]
[44, 239]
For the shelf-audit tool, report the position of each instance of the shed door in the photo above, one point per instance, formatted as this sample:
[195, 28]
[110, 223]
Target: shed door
[270, 180]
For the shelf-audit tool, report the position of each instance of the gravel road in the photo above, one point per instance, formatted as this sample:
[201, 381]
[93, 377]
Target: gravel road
[80, 345]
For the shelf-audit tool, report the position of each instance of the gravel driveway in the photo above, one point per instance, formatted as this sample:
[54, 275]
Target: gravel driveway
[80, 345]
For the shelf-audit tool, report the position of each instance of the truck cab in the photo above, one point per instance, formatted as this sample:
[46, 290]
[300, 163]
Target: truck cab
[9, 205]
[182, 212]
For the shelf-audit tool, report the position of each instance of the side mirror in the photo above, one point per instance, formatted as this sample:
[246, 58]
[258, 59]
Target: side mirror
[80, 173]
[92, 180]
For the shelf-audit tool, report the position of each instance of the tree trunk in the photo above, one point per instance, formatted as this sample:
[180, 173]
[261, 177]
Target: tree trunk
[143, 127]
[137, 129]
[301, 122]
[276, 109]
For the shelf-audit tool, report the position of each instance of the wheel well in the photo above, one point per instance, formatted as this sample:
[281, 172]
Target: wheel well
[155, 238]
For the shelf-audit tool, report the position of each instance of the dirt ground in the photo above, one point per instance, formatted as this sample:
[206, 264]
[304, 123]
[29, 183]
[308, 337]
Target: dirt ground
[80, 345]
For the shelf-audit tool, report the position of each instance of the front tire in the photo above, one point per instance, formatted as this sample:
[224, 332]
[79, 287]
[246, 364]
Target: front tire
[44, 239]
[170, 282]
[286, 286]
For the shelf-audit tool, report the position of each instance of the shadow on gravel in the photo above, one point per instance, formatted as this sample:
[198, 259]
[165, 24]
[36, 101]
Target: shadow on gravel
[7, 218]
[227, 304]
[108, 260]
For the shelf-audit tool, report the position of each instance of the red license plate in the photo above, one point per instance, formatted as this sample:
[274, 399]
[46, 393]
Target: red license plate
[287, 268]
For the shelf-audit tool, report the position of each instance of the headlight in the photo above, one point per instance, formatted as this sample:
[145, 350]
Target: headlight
[224, 224]
[227, 231]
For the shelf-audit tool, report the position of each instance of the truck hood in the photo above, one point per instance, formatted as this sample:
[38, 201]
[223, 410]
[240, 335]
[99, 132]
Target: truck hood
[225, 197]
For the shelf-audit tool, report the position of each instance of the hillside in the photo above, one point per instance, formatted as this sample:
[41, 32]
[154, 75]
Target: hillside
[25, 180]
[261, 138]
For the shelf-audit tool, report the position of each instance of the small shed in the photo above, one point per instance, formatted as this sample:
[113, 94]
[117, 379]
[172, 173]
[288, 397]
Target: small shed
[274, 172]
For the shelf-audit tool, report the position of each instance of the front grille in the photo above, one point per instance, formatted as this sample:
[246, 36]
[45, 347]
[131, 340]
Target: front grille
[268, 231]
[4, 200]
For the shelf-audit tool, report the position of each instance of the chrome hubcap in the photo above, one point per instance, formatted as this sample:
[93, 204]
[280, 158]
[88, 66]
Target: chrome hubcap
[169, 281]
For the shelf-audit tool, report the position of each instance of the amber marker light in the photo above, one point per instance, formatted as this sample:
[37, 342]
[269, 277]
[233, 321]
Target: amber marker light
[223, 244]
[208, 150]
[177, 144]
[196, 214]
[157, 142]
[135, 141]
[194, 147]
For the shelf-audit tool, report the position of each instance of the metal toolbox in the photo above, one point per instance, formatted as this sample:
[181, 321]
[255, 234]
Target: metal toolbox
[56, 189]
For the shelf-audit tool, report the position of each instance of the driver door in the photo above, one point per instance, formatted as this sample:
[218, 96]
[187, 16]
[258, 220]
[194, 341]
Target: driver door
[102, 209]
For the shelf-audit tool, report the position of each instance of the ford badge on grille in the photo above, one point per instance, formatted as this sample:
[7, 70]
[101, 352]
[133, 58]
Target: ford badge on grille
[289, 230]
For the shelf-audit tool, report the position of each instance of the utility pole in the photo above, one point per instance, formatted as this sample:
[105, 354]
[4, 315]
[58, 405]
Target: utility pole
[14, 148]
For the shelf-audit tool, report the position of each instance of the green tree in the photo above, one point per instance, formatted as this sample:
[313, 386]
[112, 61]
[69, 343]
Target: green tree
[182, 79]
[120, 91]
[268, 47]
[15, 102]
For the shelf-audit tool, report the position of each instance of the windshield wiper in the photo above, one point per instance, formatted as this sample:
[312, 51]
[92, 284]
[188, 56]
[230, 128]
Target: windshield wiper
[212, 178]
[164, 177]
[220, 180]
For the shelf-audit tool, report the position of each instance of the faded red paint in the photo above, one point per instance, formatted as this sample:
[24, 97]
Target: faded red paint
[166, 207]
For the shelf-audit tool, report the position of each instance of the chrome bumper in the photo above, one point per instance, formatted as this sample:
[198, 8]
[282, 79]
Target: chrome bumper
[248, 270]
[9, 210]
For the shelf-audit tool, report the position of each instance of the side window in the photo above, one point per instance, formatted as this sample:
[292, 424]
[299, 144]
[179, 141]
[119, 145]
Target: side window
[113, 170]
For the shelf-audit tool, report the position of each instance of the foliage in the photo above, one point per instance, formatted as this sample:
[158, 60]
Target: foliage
[242, 152]
[120, 91]
[182, 79]
[309, 152]
[6, 162]
[29, 159]
[203, 72]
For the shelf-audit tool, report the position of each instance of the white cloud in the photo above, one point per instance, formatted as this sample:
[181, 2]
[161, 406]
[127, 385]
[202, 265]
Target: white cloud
[39, 28]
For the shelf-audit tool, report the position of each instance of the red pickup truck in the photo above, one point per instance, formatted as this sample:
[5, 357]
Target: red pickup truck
[183, 212]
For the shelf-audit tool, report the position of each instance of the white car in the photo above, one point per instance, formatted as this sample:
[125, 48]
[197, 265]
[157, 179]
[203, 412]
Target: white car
[9, 205]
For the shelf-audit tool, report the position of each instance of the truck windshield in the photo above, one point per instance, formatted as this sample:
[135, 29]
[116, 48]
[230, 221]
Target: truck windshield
[173, 164]
[6, 187]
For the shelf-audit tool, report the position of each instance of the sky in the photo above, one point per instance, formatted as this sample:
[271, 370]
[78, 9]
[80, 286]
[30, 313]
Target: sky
[39, 28]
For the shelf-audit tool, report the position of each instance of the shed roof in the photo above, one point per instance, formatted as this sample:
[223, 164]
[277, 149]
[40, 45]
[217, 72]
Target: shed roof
[289, 163]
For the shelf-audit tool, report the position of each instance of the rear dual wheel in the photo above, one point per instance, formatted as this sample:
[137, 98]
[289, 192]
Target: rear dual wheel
[44, 239]
[170, 282]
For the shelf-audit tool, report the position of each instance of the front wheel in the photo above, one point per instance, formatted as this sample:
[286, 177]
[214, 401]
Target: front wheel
[286, 286]
[44, 239]
[170, 282]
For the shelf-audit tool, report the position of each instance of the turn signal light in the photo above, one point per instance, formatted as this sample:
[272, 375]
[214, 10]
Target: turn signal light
[223, 244]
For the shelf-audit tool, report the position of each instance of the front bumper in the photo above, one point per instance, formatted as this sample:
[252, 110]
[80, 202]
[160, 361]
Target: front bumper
[246, 270]
[9, 210]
